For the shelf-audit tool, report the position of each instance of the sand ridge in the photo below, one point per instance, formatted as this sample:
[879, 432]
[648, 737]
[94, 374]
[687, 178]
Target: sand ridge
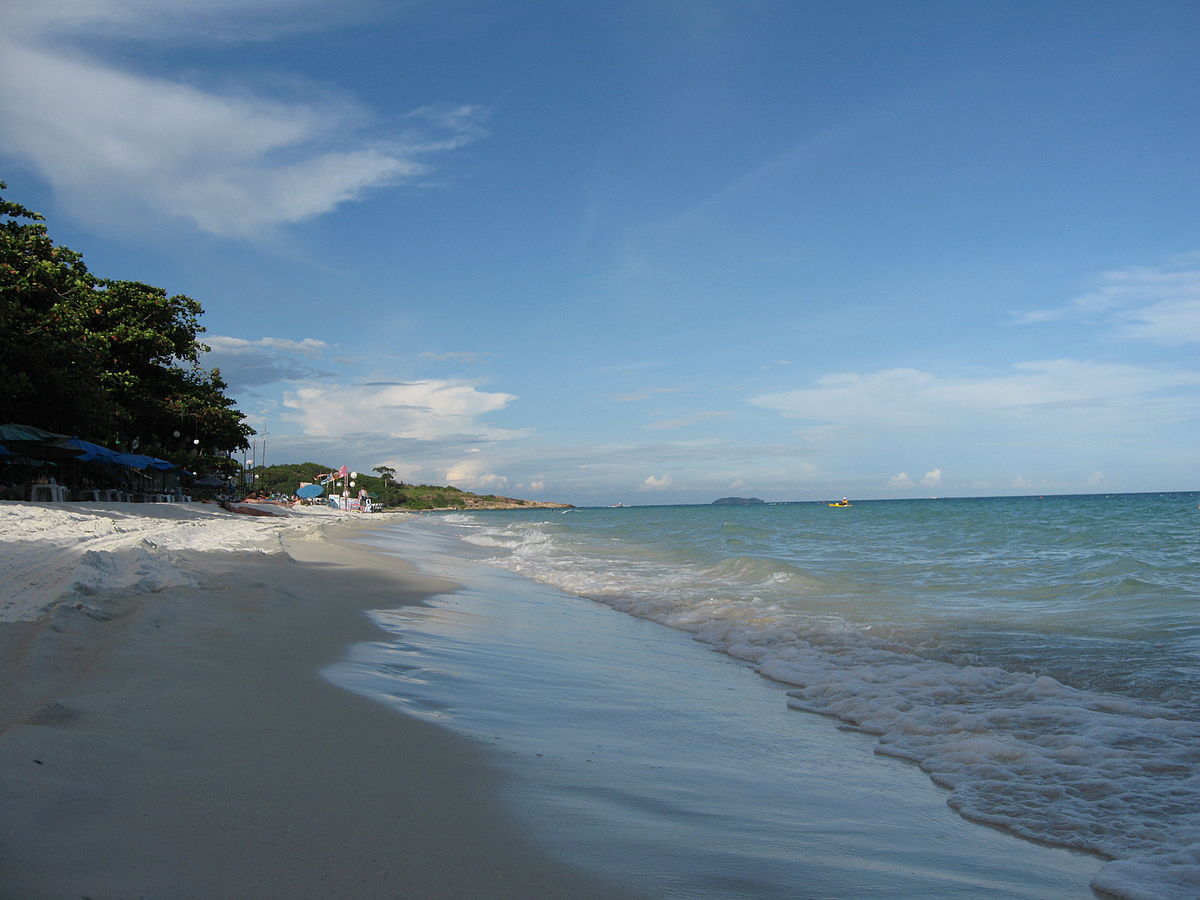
[55, 553]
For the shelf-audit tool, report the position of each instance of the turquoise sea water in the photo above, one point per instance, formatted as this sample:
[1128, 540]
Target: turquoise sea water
[1037, 658]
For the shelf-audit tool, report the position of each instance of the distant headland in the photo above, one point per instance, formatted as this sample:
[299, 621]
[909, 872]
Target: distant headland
[737, 501]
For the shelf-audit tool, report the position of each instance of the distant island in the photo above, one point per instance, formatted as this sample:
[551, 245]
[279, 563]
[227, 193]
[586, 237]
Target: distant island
[737, 501]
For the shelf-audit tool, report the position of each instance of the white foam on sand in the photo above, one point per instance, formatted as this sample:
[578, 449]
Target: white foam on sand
[56, 553]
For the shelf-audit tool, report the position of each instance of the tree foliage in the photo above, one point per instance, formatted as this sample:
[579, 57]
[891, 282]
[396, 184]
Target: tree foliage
[286, 479]
[116, 362]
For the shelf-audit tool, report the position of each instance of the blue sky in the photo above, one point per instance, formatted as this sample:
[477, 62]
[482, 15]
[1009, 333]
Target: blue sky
[652, 252]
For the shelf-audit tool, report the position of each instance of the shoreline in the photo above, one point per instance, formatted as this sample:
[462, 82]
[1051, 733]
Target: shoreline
[634, 748]
[182, 742]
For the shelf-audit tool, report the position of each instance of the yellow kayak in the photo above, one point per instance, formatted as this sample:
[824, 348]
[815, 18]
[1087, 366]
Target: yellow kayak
[841, 504]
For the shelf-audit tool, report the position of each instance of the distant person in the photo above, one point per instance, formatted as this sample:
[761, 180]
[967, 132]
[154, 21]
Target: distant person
[245, 510]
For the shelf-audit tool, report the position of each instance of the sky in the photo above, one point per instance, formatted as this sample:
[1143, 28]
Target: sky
[651, 252]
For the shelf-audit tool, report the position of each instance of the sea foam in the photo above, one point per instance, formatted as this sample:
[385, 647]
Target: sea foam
[1092, 770]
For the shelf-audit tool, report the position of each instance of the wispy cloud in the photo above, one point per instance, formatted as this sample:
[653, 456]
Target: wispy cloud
[304, 347]
[180, 20]
[1157, 304]
[1047, 393]
[246, 364]
[459, 356]
[646, 394]
[123, 146]
[684, 421]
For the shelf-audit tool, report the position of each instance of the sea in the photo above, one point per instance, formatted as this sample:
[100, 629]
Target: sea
[944, 697]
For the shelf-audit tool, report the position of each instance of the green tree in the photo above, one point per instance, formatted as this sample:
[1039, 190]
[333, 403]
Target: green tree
[48, 361]
[111, 361]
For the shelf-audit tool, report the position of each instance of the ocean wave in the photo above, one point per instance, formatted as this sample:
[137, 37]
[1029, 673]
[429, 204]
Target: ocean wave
[1099, 772]
[750, 570]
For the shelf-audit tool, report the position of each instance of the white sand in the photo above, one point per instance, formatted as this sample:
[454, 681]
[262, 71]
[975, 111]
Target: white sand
[65, 552]
[165, 730]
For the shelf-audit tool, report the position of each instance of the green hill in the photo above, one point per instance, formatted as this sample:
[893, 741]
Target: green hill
[286, 479]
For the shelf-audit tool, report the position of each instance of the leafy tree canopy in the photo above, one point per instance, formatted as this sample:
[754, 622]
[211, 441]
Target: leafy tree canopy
[286, 478]
[111, 361]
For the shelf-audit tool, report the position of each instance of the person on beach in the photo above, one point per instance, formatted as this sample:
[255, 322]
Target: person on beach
[244, 510]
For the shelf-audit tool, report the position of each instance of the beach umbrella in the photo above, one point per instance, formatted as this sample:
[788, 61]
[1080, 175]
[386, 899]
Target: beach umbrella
[45, 450]
[90, 452]
[310, 490]
[11, 431]
[36, 443]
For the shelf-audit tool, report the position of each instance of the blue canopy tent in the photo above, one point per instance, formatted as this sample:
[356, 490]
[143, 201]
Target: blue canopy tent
[144, 465]
[35, 443]
[28, 445]
[14, 431]
[95, 453]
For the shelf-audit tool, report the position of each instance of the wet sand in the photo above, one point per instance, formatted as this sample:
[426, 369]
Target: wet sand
[182, 743]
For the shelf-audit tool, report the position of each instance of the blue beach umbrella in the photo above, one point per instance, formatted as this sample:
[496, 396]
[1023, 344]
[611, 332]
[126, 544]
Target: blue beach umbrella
[310, 490]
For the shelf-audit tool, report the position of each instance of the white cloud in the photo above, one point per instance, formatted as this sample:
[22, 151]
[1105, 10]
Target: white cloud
[305, 347]
[1170, 322]
[245, 363]
[851, 396]
[128, 148]
[470, 474]
[1041, 394]
[656, 483]
[232, 20]
[422, 410]
[903, 480]
[1156, 304]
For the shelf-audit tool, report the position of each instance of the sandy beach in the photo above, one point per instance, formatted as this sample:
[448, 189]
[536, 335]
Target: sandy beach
[196, 703]
[165, 730]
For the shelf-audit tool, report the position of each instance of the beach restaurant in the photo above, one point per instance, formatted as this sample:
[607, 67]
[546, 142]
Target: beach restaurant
[43, 466]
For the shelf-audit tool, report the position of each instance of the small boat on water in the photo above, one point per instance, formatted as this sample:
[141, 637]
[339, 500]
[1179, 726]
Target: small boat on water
[840, 503]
